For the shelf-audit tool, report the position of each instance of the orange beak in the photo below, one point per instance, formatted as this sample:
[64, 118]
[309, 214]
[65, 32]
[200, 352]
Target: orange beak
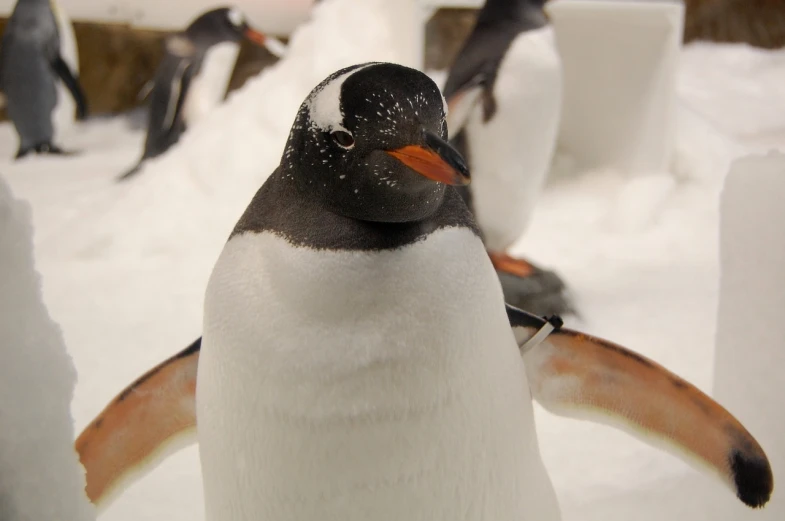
[255, 36]
[435, 160]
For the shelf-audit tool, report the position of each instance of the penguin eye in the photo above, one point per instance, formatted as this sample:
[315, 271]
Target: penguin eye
[343, 138]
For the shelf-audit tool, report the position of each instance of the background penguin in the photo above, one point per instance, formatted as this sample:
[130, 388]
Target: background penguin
[358, 361]
[504, 93]
[30, 63]
[173, 89]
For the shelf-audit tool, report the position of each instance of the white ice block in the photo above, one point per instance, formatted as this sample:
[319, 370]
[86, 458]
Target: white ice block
[40, 474]
[620, 60]
[750, 347]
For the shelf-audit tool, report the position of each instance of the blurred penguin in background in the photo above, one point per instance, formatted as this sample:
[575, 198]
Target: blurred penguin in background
[30, 64]
[504, 94]
[174, 89]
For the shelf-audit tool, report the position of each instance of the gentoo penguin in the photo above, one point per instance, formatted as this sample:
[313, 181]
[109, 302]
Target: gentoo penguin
[172, 88]
[358, 361]
[504, 92]
[30, 64]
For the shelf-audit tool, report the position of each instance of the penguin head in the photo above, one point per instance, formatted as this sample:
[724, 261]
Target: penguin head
[225, 24]
[495, 11]
[369, 143]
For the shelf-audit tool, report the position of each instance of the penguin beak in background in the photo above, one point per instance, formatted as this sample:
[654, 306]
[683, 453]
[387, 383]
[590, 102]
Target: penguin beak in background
[275, 46]
[436, 160]
[254, 36]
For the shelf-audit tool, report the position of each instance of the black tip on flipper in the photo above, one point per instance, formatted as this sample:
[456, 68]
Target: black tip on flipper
[81, 112]
[753, 478]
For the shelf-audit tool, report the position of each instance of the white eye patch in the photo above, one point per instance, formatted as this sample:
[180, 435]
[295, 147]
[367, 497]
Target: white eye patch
[324, 106]
[236, 17]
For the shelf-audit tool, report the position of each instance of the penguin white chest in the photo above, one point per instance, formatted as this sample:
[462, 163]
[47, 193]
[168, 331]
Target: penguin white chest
[208, 88]
[511, 154]
[359, 386]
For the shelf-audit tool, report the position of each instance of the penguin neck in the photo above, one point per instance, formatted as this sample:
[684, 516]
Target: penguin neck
[278, 207]
[503, 10]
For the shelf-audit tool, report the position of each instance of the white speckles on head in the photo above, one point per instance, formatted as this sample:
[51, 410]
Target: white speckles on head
[324, 105]
[235, 17]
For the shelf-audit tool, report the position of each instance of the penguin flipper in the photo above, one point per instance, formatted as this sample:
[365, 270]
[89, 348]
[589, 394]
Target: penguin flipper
[145, 91]
[580, 376]
[165, 123]
[63, 71]
[179, 89]
[150, 419]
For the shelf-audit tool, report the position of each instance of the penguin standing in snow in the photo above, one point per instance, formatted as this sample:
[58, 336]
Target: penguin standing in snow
[504, 93]
[30, 64]
[358, 361]
[174, 87]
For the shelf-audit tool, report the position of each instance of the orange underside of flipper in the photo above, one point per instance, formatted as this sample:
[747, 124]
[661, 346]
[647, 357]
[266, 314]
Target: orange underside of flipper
[135, 425]
[578, 375]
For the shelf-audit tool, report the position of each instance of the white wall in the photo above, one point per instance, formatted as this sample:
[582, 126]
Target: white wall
[273, 16]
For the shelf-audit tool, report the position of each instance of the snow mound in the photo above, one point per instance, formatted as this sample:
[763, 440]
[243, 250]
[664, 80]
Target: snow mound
[41, 477]
[758, 105]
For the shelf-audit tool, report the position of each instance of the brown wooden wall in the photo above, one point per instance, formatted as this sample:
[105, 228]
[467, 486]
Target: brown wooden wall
[115, 62]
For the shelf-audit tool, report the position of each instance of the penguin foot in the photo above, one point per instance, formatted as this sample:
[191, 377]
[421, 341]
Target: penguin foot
[531, 288]
[52, 149]
[44, 148]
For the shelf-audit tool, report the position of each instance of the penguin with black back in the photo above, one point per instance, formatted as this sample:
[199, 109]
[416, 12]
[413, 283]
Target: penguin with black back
[504, 92]
[358, 361]
[30, 65]
[179, 70]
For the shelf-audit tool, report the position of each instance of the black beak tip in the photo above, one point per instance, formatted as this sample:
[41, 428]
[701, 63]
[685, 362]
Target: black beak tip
[451, 156]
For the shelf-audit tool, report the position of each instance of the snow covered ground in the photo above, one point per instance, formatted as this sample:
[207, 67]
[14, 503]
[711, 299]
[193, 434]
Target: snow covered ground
[124, 266]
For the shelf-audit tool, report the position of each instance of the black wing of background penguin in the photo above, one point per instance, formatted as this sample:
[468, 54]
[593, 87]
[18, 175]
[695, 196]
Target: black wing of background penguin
[184, 55]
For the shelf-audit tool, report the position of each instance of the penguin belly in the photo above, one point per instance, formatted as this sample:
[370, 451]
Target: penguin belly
[208, 87]
[31, 93]
[510, 155]
[356, 386]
